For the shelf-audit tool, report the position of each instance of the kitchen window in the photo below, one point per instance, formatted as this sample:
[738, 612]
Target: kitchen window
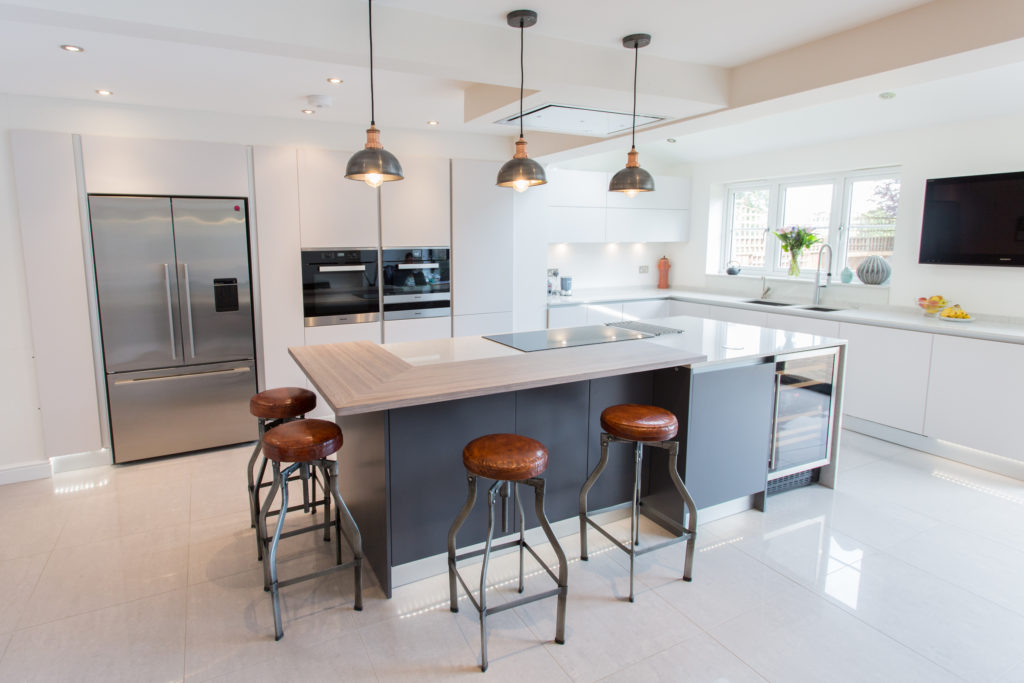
[853, 212]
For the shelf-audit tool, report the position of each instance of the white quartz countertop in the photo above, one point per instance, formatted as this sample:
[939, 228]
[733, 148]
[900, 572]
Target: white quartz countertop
[990, 328]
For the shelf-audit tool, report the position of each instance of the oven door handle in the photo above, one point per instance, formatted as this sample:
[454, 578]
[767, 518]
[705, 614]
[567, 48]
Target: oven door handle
[341, 269]
[417, 266]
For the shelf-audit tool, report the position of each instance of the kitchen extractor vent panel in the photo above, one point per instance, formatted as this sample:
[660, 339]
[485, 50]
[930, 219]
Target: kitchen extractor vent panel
[559, 118]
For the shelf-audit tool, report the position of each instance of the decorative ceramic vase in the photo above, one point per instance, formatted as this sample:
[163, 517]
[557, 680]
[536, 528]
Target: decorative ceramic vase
[846, 276]
[794, 265]
[874, 270]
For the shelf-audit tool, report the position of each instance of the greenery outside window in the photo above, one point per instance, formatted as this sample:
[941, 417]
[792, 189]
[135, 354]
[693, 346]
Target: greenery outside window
[854, 213]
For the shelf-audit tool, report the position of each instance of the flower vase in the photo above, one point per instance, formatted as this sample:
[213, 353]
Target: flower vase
[794, 265]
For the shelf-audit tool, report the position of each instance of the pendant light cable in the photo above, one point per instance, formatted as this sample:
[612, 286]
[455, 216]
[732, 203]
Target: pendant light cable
[369, 6]
[522, 74]
[636, 61]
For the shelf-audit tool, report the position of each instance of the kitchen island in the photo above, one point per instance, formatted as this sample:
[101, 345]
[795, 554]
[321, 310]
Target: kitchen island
[407, 409]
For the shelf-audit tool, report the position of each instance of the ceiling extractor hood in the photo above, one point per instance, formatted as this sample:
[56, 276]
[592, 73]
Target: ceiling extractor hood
[561, 118]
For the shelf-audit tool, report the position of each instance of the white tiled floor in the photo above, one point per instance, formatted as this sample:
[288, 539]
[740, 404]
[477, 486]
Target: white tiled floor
[910, 571]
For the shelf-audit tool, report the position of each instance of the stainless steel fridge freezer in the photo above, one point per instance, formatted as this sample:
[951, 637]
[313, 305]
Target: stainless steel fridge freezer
[175, 304]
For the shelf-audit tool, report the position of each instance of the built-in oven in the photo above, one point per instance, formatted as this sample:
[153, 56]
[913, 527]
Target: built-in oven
[416, 282]
[340, 286]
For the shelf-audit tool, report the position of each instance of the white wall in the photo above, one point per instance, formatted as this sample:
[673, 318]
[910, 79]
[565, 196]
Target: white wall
[19, 407]
[965, 148]
[617, 264]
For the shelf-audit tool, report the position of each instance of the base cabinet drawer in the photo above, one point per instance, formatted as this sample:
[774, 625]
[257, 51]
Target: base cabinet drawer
[417, 330]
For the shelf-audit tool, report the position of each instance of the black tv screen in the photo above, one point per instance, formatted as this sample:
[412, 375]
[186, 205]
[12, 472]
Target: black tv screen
[974, 220]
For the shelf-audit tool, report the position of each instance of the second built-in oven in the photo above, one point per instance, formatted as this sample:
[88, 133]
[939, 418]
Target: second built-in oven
[416, 282]
[340, 286]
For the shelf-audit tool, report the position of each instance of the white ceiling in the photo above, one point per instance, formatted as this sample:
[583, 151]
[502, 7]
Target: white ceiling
[263, 58]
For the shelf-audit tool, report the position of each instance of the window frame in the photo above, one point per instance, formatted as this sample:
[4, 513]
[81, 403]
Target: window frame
[838, 233]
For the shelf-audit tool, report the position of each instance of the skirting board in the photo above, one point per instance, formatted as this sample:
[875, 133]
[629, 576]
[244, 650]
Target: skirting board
[81, 461]
[999, 464]
[12, 474]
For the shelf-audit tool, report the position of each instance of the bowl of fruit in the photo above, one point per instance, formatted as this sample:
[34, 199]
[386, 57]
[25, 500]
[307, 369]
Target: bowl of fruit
[955, 314]
[932, 304]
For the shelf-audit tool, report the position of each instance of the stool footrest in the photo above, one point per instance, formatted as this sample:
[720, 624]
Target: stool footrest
[313, 575]
[520, 601]
[494, 548]
[303, 530]
[647, 548]
[526, 600]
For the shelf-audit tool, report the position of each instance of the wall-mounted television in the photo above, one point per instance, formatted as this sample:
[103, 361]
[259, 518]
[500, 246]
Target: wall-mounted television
[974, 220]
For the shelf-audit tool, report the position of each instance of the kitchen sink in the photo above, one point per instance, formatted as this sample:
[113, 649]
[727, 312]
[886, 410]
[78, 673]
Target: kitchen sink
[764, 302]
[824, 309]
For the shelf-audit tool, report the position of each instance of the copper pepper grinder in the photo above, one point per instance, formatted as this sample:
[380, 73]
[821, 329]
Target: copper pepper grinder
[663, 266]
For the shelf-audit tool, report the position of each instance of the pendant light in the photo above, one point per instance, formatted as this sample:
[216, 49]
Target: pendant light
[633, 179]
[521, 172]
[373, 164]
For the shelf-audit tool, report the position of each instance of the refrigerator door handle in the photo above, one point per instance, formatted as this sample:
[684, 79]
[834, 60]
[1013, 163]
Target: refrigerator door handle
[232, 371]
[188, 307]
[170, 309]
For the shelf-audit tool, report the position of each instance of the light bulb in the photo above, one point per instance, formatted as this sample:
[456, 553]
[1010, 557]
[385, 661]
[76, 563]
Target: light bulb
[520, 185]
[373, 179]
[631, 193]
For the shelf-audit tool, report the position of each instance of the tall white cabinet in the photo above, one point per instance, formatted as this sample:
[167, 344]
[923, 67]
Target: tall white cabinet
[334, 212]
[482, 249]
[415, 211]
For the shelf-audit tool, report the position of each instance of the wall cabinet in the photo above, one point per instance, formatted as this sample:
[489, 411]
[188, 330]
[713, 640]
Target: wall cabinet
[886, 375]
[974, 394]
[333, 211]
[671, 192]
[416, 211]
[574, 224]
[577, 188]
[566, 316]
[646, 225]
[420, 329]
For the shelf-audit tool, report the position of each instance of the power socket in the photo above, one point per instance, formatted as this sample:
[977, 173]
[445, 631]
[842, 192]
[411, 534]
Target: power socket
[644, 269]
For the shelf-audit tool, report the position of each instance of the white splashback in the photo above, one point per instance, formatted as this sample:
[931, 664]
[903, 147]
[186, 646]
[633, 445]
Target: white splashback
[614, 264]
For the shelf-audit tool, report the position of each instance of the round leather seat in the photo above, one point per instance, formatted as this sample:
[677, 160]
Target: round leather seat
[302, 441]
[639, 423]
[283, 402]
[505, 457]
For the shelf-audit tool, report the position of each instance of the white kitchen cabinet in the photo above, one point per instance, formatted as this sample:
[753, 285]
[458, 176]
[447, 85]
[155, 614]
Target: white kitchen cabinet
[334, 212]
[573, 224]
[646, 225]
[577, 188]
[598, 314]
[417, 329]
[115, 165]
[688, 308]
[795, 323]
[481, 239]
[338, 334]
[738, 315]
[974, 394]
[886, 375]
[481, 324]
[639, 310]
[671, 192]
[566, 316]
[416, 211]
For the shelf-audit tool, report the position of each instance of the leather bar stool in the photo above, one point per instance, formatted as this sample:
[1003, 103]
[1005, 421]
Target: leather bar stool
[274, 407]
[642, 426]
[290, 446]
[510, 460]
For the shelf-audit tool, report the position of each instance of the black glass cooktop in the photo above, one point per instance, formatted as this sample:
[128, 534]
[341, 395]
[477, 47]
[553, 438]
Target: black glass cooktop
[541, 340]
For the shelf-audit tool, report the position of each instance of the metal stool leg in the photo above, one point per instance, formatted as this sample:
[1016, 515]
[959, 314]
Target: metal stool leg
[589, 484]
[350, 529]
[634, 522]
[691, 517]
[260, 535]
[270, 555]
[452, 531]
[327, 506]
[483, 574]
[522, 537]
[563, 566]
[254, 510]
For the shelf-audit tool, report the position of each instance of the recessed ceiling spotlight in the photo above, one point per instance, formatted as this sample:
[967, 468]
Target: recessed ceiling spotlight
[308, 112]
[334, 81]
[104, 93]
[672, 140]
[887, 95]
[72, 48]
[431, 123]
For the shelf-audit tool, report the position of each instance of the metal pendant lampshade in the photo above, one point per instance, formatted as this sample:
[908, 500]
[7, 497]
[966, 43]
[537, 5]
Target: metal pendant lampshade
[373, 164]
[521, 172]
[632, 179]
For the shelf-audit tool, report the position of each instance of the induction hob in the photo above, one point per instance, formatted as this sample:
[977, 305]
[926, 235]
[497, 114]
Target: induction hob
[542, 340]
